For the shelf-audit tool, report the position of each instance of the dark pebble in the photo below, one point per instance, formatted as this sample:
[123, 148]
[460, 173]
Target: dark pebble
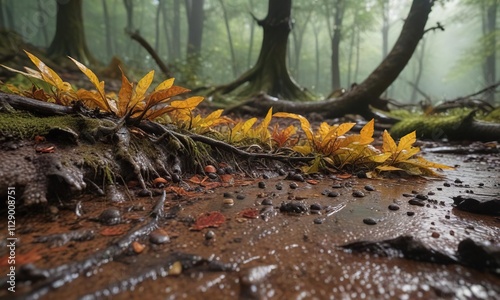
[228, 195]
[315, 206]
[369, 221]
[294, 185]
[422, 197]
[393, 207]
[221, 171]
[431, 193]
[408, 195]
[240, 197]
[144, 193]
[369, 188]
[212, 175]
[458, 181]
[158, 237]
[229, 170]
[297, 177]
[361, 174]
[265, 176]
[415, 201]
[447, 216]
[333, 194]
[435, 235]
[279, 187]
[267, 201]
[262, 184]
[439, 189]
[481, 184]
[319, 220]
[282, 172]
[337, 186]
[110, 216]
[293, 207]
[209, 235]
[358, 193]
[325, 192]
[315, 212]
[446, 184]
[410, 213]
[176, 178]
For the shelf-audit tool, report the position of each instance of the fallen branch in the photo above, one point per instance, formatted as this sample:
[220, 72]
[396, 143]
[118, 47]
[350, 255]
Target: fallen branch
[137, 37]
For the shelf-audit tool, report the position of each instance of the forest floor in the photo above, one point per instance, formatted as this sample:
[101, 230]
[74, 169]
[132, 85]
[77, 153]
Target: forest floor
[234, 237]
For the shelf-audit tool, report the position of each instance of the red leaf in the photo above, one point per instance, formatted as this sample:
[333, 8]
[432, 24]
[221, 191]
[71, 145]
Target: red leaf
[210, 219]
[312, 181]
[114, 230]
[50, 149]
[249, 213]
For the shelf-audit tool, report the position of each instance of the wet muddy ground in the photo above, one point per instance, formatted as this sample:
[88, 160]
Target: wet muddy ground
[276, 240]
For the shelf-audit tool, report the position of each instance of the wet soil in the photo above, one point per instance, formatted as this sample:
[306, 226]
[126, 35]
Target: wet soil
[276, 241]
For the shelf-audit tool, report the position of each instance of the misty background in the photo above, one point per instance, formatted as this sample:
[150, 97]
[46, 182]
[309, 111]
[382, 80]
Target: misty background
[450, 62]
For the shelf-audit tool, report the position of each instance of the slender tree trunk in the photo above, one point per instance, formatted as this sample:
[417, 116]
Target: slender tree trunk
[69, 39]
[176, 31]
[159, 9]
[234, 63]
[317, 52]
[166, 28]
[335, 43]
[351, 47]
[420, 68]
[196, 17]
[298, 38]
[250, 43]
[489, 66]
[43, 26]
[107, 26]
[129, 8]
[358, 46]
[385, 27]
[3, 23]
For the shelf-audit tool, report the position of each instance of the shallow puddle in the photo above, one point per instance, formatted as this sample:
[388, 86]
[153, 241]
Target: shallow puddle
[282, 255]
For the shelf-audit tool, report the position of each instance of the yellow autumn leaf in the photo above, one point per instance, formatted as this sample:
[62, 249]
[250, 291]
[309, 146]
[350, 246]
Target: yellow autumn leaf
[165, 85]
[366, 133]
[30, 72]
[388, 144]
[389, 168]
[48, 75]
[406, 141]
[188, 103]
[124, 96]
[141, 88]
[99, 85]
[304, 123]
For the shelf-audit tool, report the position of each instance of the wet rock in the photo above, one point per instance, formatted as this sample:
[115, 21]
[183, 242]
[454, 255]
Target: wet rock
[227, 195]
[337, 186]
[422, 197]
[293, 207]
[228, 202]
[319, 220]
[410, 213]
[446, 184]
[316, 206]
[262, 184]
[435, 234]
[60, 239]
[402, 246]
[369, 221]
[267, 201]
[416, 202]
[479, 205]
[213, 175]
[333, 194]
[279, 186]
[144, 193]
[294, 185]
[110, 216]
[369, 188]
[209, 235]
[240, 197]
[475, 255]
[159, 237]
[408, 195]
[358, 194]
[393, 207]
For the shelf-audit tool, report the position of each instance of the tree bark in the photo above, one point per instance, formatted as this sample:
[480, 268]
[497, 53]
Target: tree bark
[489, 66]
[107, 26]
[367, 93]
[69, 39]
[335, 40]
[230, 39]
[270, 73]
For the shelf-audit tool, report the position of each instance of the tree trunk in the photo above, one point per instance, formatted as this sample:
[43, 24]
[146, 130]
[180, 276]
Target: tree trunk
[171, 47]
[270, 73]
[69, 39]
[159, 9]
[176, 31]
[420, 68]
[196, 16]
[250, 44]
[335, 40]
[107, 26]
[489, 66]
[359, 99]
[230, 39]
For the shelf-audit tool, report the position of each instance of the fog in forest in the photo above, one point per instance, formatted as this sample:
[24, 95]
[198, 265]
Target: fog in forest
[450, 62]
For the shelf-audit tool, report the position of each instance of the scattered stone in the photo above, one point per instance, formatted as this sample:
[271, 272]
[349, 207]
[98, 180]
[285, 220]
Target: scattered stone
[452, 232]
[416, 202]
[481, 184]
[265, 176]
[393, 207]
[446, 184]
[439, 189]
[431, 193]
[435, 234]
[410, 213]
[422, 197]
[337, 186]
[267, 201]
[369, 221]
[408, 195]
[209, 235]
[293, 207]
[176, 178]
[458, 181]
[470, 227]
[294, 185]
[358, 194]
[479, 205]
[483, 257]
[333, 194]
[240, 196]
[262, 184]
[319, 220]
[144, 193]
[316, 206]
[227, 195]
[228, 202]
[159, 236]
[369, 188]
[281, 172]
[447, 217]
[279, 186]
[110, 216]
[229, 170]
[138, 247]
[361, 174]
[213, 175]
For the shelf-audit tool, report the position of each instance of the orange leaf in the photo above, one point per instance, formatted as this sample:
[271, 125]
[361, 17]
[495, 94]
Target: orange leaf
[141, 88]
[249, 213]
[99, 85]
[388, 144]
[114, 230]
[406, 141]
[48, 75]
[124, 95]
[210, 219]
